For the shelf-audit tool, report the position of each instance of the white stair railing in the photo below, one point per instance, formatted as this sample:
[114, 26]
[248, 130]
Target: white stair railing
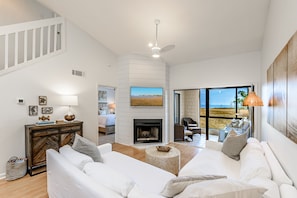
[25, 43]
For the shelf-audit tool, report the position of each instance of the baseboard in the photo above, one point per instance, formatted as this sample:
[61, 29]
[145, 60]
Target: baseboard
[2, 175]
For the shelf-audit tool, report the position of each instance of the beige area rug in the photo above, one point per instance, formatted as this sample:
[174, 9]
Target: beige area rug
[199, 140]
[106, 138]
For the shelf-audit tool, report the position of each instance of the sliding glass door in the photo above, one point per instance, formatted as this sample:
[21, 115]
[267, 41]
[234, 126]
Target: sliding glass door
[218, 106]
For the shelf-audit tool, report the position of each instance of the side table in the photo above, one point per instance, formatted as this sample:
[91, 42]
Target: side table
[169, 161]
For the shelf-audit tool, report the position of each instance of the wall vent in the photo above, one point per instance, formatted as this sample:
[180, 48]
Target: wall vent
[78, 73]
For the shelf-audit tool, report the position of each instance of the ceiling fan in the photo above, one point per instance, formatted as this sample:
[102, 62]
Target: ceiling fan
[156, 50]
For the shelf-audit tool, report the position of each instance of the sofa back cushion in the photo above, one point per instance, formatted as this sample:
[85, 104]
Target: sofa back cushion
[278, 174]
[76, 158]
[271, 186]
[253, 162]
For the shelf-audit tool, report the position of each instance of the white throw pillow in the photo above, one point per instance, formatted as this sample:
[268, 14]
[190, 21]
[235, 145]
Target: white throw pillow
[288, 191]
[271, 186]
[222, 188]
[253, 163]
[278, 174]
[76, 158]
[110, 178]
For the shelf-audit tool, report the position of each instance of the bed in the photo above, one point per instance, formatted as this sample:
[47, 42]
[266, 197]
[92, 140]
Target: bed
[106, 123]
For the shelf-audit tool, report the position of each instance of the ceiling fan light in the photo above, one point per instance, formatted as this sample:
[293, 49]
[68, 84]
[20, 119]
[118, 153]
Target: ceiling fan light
[155, 52]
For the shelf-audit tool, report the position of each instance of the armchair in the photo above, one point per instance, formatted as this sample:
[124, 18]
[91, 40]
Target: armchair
[191, 125]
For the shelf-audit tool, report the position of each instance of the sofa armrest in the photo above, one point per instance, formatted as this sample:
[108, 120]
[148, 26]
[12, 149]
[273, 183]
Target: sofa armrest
[214, 145]
[105, 148]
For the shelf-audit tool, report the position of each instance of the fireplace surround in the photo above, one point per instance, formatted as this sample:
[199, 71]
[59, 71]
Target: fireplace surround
[147, 130]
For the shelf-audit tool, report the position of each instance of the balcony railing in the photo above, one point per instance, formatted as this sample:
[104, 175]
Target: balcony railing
[25, 43]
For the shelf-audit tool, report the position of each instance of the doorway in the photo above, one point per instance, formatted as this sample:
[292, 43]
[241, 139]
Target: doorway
[106, 114]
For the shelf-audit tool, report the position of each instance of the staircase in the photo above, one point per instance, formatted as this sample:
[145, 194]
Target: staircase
[26, 43]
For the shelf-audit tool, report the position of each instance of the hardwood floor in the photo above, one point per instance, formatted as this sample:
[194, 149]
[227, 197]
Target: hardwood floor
[35, 187]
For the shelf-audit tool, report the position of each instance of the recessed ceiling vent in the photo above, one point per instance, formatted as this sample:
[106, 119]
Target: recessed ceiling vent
[78, 73]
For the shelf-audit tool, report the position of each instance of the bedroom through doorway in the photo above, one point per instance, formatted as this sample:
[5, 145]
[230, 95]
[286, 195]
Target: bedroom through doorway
[106, 114]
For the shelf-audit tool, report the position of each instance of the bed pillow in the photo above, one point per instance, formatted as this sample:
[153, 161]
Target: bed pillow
[222, 188]
[233, 144]
[253, 162]
[87, 147]
[76, 158]
[110, 178]
[288, 191]
[278, 174]
[178, 184]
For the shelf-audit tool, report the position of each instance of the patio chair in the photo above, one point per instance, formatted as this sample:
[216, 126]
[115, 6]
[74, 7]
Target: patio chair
[191, 125]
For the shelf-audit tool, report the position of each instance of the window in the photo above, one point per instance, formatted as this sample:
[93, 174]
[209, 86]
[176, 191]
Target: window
[219, 105]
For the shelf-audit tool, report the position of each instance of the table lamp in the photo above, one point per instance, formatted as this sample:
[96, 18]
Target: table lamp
[69, 101]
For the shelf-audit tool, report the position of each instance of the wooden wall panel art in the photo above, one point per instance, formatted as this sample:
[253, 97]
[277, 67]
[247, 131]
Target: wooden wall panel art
[282, 87]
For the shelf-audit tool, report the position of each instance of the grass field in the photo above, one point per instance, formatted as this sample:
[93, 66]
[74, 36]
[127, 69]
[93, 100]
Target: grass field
[147, 101]
[220, 123]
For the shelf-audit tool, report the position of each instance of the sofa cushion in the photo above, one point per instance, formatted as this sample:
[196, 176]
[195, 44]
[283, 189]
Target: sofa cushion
[178, 184]
[109, 177]
[137, 192]
[278, 174]
[222, 188]
[271, 186]
[253, 162]
[211, 162]
[87, 147]
[288, 191]
[149, 178]
[76, 158]
[233, 144]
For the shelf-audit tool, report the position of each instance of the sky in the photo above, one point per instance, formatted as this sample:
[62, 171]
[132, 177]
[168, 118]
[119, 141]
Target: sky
[138, 91]
[218, 97]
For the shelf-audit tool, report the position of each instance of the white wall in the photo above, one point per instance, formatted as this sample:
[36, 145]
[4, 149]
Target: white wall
[237, 70]
[18, 11]
[51, 78]
[136, 70]
[281, 25]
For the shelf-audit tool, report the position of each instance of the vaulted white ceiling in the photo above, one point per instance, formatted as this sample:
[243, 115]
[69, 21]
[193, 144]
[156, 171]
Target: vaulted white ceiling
[200, 29]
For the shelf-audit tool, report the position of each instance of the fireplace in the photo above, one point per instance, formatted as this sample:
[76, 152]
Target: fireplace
[147, 130]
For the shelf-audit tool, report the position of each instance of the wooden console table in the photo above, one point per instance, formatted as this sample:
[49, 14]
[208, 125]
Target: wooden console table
[39, 138]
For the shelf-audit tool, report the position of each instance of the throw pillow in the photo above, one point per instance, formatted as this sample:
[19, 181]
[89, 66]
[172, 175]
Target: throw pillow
[87, 147]
[76, 158]
[222, 188]
[109, 177]
[178, 184]
[233, 144]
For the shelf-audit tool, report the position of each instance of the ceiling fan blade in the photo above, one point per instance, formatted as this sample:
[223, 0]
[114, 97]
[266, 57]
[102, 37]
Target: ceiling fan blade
[167, 48]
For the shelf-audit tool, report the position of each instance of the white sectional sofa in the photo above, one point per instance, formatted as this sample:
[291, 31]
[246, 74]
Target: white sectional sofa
[73, 174]
[257, 166]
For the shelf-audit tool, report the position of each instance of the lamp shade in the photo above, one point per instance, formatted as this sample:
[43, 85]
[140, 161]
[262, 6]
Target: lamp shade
[69, 100]
[252, 100]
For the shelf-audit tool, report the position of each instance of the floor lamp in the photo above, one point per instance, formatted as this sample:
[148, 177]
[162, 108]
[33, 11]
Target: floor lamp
[252, 100]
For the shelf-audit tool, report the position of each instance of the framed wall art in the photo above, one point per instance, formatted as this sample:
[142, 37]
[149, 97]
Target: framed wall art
[33, 110]
[42, 100]
[47, 110]
[282, 87]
